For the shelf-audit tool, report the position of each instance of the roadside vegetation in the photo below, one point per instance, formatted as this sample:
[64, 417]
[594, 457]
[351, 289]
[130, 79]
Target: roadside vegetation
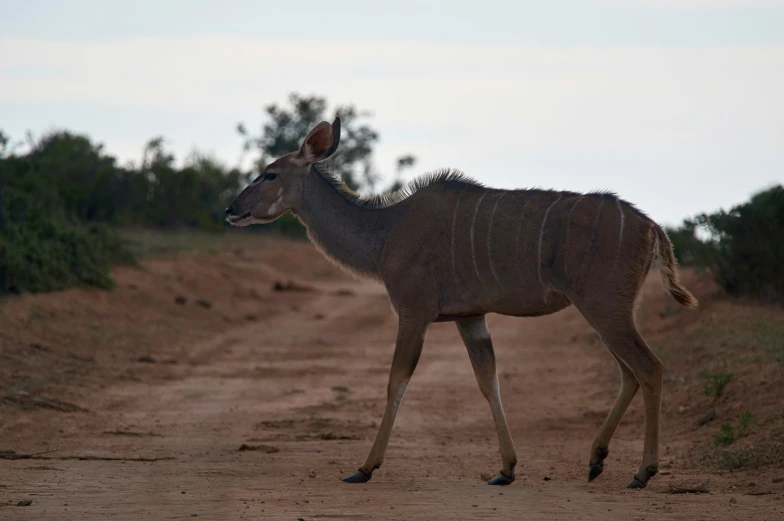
[66, 203]
[742, 248]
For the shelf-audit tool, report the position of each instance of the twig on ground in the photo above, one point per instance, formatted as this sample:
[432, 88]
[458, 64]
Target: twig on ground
[698, 489]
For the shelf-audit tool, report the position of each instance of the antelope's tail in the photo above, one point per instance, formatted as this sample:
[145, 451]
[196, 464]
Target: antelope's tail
[667, 264]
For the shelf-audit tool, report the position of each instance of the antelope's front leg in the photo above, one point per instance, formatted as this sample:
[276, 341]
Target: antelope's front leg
[476, 337]
[410, 338]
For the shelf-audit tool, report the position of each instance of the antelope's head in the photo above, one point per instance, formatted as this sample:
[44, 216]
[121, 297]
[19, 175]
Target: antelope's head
[279, 187]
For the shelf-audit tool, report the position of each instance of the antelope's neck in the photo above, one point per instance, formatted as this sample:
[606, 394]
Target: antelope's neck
[350, 234]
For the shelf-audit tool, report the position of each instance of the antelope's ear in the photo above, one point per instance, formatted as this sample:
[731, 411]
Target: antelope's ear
[321, 142]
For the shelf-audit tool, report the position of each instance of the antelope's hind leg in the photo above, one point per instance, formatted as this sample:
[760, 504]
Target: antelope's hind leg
[476, 337]
[600, 445]
[625, 343]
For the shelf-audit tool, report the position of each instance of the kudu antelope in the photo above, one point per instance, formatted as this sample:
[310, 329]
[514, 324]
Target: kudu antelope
[450, 249]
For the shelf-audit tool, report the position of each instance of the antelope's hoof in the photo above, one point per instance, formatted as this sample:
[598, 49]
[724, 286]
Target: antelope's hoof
[642, 476]
[594, 470]
[636, 483]
[501, 479]
[359, 476]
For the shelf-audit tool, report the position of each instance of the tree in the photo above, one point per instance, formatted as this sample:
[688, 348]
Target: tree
[4, 140]
[80, 170]
[748, 253]
[743, 247]
[286, 128]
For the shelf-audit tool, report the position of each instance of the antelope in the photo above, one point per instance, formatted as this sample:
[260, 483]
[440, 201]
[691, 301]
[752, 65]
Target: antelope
[449, 249]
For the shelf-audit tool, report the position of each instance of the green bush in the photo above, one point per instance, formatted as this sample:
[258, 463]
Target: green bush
[726, 435]
[41, 249]
[52, 255]
[744, 249]
[715, 384]
[746, 421]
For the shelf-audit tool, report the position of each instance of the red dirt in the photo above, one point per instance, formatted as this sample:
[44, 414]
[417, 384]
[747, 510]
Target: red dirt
[99, 382]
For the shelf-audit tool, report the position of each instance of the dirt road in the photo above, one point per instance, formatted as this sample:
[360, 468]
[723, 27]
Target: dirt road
[301, 381]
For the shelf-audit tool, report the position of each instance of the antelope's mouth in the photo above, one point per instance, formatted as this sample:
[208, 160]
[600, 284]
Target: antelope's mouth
[240, 220]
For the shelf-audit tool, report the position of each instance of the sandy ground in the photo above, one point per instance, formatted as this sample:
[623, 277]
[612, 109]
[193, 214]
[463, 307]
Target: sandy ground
[135, 406]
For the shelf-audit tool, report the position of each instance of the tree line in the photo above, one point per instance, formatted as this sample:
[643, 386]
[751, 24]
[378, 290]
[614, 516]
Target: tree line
[63, 198]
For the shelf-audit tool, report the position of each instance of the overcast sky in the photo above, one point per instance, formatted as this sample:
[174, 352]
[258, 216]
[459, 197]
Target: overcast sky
[677, 105]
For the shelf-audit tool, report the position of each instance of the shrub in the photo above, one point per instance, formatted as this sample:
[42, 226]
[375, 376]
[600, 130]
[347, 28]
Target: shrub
[746, 421]
[726, 435]
[744, 249]
[767, 452]
[40, 248]
[715, 384]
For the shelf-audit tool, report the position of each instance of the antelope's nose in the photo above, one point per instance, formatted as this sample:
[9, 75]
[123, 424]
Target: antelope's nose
[229, 210]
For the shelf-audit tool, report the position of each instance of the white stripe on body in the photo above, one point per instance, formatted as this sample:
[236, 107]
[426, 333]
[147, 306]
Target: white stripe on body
[620, 237]
[489, 236]
[541, 233]
[473, 226]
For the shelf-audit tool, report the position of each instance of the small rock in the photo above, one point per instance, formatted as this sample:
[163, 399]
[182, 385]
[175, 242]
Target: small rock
[664, 472]
[206, 304]
[251, 318]
[778, 480]
[146, 359]
[547, 478]
[319, 316]
[25, 503]
[485, 476]
[474, 506]
[340, 388]
[733, 501]
[312, 473]
[707, 417]
[179, 299]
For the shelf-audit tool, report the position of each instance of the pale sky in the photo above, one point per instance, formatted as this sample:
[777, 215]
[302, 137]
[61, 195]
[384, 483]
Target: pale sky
[677, 105]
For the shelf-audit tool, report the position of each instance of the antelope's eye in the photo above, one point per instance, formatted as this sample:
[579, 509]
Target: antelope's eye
[270, 176]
